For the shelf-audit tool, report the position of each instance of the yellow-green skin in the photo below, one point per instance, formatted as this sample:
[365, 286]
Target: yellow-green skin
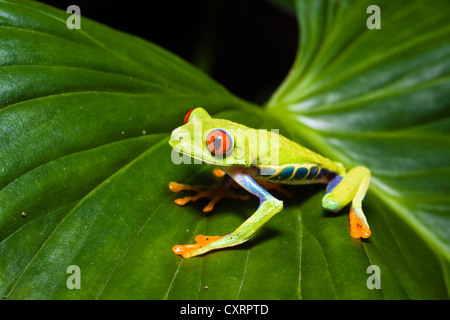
[266, 155]
[184, 140]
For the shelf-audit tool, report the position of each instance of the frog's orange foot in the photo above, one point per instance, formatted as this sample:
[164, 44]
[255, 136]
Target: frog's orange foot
[188, 250]
[218, 173]
[214, 194]
[358, 229]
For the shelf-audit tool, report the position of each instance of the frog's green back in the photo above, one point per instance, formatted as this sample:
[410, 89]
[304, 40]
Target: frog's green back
[291, 153]
[248, 147]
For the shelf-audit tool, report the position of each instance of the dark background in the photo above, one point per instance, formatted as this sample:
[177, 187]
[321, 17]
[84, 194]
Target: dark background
[246, 45]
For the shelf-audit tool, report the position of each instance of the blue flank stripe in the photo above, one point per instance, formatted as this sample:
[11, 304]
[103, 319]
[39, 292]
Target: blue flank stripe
[286, 173]
[300, 173]
[296, 173]
[312, 173]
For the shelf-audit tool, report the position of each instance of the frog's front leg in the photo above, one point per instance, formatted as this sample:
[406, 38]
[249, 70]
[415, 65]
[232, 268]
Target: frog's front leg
[214, 193]
[351, 187]
[268, 207]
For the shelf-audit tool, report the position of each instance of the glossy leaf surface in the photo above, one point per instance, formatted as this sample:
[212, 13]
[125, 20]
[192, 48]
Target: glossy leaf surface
[86, 116]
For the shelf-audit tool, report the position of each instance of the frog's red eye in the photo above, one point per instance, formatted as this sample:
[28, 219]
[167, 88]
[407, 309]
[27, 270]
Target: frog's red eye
[219, 141]
[187, 115]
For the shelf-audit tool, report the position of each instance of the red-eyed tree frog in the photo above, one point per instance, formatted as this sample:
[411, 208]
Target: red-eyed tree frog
[254, 158]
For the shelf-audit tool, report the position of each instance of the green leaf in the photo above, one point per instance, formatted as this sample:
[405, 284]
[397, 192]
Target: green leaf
[84, 125]
[381, 98]
[84, 122]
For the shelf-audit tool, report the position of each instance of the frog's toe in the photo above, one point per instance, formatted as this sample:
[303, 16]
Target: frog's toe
[218, 173]
[214, 194]
[177, 187]
[183, 201]
[200, 191]
[358, 227]
[191, 250]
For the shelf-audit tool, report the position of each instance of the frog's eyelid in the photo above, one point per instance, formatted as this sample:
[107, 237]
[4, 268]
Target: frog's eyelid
[187, 116]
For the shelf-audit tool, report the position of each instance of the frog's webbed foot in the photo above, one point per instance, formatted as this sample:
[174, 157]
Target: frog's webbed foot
[269, 206]
[214, 194]
[190, 250]
[359, 227]
[351, 187]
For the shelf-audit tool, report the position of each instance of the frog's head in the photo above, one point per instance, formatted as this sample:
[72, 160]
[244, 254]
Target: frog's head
[214, 141]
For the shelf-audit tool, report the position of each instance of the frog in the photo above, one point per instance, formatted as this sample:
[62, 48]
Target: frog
[259, 160]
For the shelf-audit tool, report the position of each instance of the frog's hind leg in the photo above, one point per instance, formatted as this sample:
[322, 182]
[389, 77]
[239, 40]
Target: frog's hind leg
[269, 207]
[351, 187]
[269, 186]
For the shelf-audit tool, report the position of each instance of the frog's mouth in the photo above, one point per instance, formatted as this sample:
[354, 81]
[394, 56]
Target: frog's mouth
[174, 149]
[178, 149]
[177, 138]
[202, 159]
